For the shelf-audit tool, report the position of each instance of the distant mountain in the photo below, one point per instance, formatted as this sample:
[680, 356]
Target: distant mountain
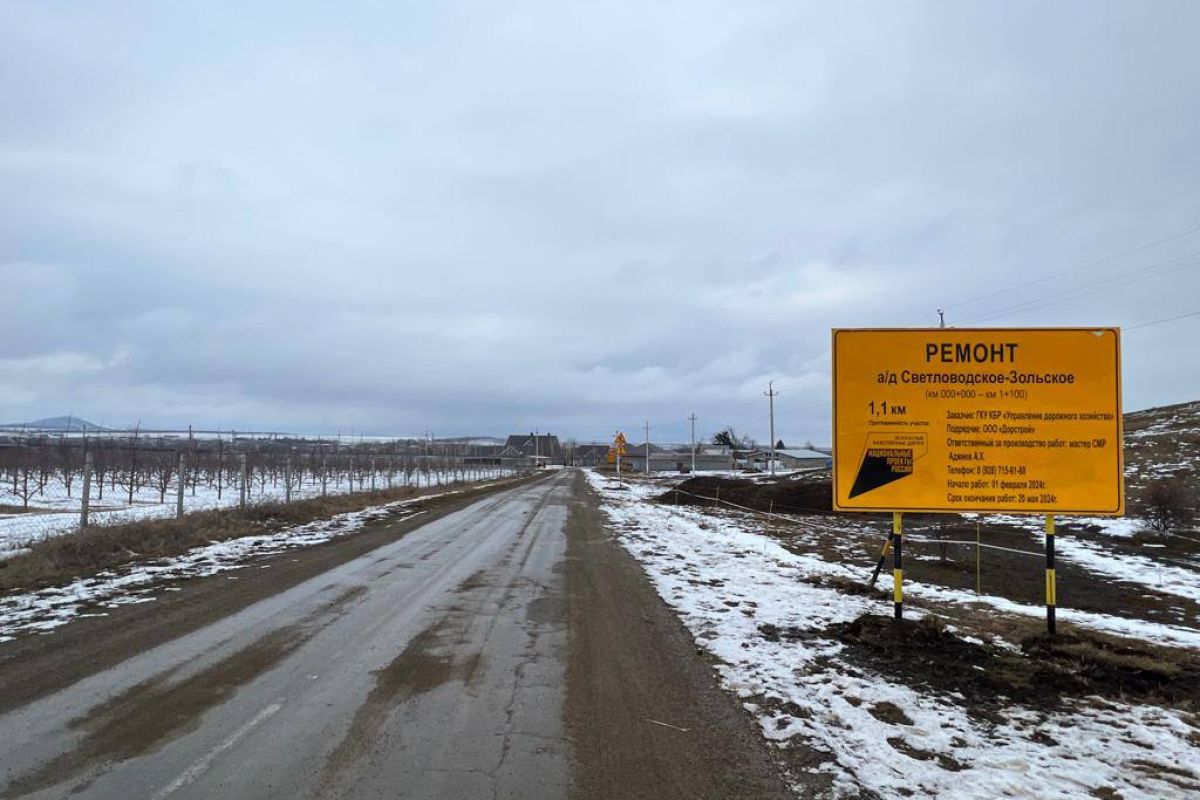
[58, 425]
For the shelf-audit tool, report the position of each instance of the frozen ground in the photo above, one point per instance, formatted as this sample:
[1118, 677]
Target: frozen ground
[730, 584]
[47, 609]
[57, 513]
[1149, 572]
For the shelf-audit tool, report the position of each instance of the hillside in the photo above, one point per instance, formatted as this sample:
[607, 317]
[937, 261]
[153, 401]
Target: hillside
[1161, 442]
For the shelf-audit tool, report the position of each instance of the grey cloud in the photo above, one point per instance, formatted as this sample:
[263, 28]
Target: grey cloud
[476, 218]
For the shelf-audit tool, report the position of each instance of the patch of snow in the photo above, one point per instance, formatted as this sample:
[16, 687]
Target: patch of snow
[725, 582]
[46, 609]
[58, 514]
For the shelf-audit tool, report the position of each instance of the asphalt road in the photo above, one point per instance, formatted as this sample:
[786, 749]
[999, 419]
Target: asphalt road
[432, 666]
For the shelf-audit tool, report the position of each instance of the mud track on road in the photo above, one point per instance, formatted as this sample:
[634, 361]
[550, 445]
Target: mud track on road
[645, 714]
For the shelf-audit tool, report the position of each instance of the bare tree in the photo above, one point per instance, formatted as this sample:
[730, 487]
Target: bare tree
[164, 469]
[66, 464]
[99, 470]
[1169, 504]
[22, 488]
[731, 438]
[130, 477]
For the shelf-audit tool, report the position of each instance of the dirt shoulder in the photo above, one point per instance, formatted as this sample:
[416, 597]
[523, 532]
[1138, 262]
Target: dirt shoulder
[34, 666]
[633, 672]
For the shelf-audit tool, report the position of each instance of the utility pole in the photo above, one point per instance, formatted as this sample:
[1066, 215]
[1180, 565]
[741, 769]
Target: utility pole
[693, 419]
[771, 395]
[647, 448]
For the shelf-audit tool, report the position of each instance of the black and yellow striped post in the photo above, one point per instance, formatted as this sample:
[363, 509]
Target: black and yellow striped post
[898, 563]
[1051, 589]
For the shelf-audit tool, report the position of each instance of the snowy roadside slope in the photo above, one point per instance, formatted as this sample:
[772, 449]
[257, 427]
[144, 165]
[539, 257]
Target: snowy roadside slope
[1161, 442]
[47, 609]
[726, 583]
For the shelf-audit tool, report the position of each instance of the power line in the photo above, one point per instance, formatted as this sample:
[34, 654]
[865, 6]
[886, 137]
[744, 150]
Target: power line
[809, 407]
[794, 383]
[1161, 321]
[1116, 281]
[1149, 324]
[1140, 248]
[1103, 285]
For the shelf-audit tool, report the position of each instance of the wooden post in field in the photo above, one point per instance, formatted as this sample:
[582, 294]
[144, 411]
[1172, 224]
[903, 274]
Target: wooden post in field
[87, 490]
[287, 479]
[372, 476]
[182, 485]
[324, 476]
[245, 480]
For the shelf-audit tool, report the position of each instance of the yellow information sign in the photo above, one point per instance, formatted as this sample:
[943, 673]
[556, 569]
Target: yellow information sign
[1024, 420]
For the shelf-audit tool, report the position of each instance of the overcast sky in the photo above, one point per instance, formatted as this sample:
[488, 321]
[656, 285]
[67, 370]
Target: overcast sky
[481, 218]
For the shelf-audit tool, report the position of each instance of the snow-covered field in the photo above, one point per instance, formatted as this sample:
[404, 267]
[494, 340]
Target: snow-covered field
[729, 584]
[47, 609]
[59, 513]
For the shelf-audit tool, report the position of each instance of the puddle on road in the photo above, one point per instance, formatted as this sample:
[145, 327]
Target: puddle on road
[142, 719]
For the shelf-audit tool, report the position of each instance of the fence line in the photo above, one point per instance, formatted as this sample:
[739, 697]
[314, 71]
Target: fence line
[48, 488]
[717, 501]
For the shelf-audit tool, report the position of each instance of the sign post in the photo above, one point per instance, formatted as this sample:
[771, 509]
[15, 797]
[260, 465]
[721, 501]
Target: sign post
[983, 420]
[898, 563]
[1051, 588]
[616, 451]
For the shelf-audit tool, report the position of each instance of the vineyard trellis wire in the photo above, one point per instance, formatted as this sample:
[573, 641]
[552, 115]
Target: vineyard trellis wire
[53, 485]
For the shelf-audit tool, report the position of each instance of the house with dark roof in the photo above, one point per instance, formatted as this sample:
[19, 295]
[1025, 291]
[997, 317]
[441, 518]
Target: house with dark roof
[543, 448]
[591, 455]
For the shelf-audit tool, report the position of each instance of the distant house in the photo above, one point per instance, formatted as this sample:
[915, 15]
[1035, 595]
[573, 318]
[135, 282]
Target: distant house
[543, 448]
[792, 458]
[711, 459]
[591, 455]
